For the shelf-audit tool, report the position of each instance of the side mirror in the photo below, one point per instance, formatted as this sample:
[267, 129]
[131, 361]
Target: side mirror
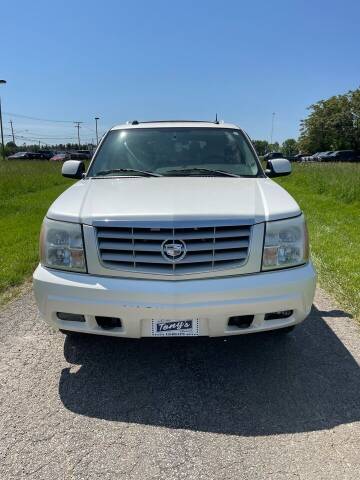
[73, 169]
[278, 167]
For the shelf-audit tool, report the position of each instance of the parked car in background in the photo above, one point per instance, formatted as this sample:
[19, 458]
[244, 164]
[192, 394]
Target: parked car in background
[318, 156]
[314, 157]
[300, 156]
[19, 156]
[39, 156]
[26, 156]
[296, 158]
[324, 156]
[344, 156]
[271, 155]
[81, 155]
[306, 158]
[60, 157]
[47, 154]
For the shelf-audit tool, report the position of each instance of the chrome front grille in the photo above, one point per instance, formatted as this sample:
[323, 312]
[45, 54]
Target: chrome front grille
[144, 249]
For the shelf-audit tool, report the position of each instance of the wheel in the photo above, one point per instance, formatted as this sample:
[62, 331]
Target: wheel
[284, 331]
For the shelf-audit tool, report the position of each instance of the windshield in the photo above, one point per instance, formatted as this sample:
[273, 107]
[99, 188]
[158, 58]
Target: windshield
[173, 151]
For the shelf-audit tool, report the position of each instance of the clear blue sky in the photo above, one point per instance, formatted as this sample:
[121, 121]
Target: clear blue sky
[163, 59]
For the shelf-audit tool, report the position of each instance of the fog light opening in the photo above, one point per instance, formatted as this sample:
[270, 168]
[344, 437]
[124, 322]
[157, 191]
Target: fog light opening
[108, 323]
[278, 315]
[70, 317]
[241, 321]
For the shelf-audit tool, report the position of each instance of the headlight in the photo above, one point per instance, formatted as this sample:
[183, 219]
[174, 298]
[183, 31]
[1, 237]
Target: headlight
[286, 243]
[61, 246]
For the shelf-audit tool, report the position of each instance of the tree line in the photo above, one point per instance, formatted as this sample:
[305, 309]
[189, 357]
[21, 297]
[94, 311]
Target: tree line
[289, 147]
[332, 124]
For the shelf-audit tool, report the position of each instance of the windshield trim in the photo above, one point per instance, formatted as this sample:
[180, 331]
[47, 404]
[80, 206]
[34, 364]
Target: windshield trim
[260, 173]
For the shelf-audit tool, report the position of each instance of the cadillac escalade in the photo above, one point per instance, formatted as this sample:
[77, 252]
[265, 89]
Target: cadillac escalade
[174, 229]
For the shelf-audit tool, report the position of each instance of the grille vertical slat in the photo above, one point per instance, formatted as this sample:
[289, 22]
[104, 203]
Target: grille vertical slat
[139, 249]
[213, 248]
[173, 264]
[133, 246]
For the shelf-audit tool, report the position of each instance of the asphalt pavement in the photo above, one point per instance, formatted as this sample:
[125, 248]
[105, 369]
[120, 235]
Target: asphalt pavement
[251, 407]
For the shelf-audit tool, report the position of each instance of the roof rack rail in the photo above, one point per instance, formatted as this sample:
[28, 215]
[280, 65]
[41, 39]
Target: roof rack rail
[136, 122]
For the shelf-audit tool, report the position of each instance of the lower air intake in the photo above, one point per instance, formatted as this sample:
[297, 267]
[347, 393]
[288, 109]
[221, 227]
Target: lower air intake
[108, 323]
[243, 321]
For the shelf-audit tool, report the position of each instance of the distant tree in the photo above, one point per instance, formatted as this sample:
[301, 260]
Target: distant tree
[10, 148]
[333, 124]
[274, 147]
[261, 146]
[289, 147]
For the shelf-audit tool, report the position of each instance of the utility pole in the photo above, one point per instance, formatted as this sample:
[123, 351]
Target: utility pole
[12, 131]
[1, 126]
[272, 128]
[77, 125]
[96, 127]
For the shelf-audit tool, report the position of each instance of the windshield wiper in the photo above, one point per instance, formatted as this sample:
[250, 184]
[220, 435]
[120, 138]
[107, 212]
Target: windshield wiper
[143, 173]
[196, 170]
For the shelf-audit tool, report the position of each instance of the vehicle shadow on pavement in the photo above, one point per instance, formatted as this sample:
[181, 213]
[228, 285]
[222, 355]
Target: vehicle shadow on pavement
[260, 384]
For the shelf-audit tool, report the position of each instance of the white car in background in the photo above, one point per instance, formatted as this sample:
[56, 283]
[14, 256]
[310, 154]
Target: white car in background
[174, 230]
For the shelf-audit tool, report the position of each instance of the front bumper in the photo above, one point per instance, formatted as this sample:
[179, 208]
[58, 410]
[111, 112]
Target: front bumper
[138, 302]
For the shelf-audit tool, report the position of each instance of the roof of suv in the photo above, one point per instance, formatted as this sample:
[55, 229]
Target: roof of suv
[174, 123]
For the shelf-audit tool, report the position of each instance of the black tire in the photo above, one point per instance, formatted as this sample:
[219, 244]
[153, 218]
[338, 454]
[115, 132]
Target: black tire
[284, 331]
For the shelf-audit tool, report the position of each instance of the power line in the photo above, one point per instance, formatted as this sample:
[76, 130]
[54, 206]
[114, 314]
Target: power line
[49, 136]
[44, 137]
[37, 119]
[29, 135]
[41, 135]
[36, 139]
[66, 123]
[89, 128]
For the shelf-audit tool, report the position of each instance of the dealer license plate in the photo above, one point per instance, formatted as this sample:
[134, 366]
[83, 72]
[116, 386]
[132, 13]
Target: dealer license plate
[175, 328]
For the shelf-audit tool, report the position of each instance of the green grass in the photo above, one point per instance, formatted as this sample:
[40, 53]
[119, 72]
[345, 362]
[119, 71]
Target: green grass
[27, 188]
[329, 194]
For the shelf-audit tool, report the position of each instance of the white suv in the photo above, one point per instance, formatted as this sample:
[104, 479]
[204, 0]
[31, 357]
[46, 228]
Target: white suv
[174, 230]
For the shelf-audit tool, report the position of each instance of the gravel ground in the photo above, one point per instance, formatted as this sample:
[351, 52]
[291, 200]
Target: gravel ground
[252, 407]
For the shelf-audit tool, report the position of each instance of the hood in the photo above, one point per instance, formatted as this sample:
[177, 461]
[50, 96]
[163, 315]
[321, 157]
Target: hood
[250, 200]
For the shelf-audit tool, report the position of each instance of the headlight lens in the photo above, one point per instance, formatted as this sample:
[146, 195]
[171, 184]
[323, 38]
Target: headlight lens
[61, 246]
[286, 243]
